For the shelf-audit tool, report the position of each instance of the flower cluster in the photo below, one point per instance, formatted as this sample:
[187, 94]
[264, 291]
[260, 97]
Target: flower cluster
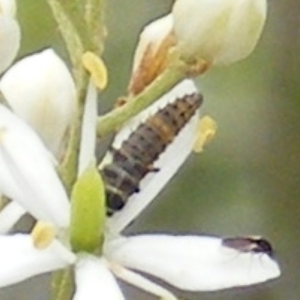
[204, 33]
[41, 95]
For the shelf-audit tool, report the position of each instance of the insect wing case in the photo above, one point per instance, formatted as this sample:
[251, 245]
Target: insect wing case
[149, 150]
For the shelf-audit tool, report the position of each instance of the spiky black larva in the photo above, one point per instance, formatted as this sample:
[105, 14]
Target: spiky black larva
[136, 156]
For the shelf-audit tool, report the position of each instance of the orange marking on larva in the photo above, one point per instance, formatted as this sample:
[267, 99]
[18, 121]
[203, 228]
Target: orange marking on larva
[165, 132]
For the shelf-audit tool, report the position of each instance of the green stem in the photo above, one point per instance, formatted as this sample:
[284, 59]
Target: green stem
[94, 18]
[69, 166]
[69, 33]
[164, 82]
[62, 285]
[75, 47]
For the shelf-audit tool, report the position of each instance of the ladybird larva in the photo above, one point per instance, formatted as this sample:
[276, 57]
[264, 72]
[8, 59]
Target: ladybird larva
[136, 156]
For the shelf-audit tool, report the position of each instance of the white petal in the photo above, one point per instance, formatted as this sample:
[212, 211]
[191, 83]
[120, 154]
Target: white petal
[40, 89]
[94, 281]
[247, 22]
[141, 282]
[19, 259]
[192, 263]
[219, 31]
[8, 8]
[88, 134]
[10, 215]
[152, 36]
[168, 163]
[9, 41]
[27, 173]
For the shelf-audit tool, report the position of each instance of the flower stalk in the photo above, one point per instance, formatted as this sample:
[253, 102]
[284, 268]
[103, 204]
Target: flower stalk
[69, 167]
[73, 40]
[176, 71]
[74, 44]
[62, 284]
[85, 36]
[95, 23]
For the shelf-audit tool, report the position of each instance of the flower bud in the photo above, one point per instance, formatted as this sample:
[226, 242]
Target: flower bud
[219, 31]
[9, 33]
[8, 8]
[150, 57]
[40, 89]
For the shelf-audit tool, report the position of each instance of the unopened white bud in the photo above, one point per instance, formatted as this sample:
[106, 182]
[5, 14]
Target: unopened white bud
[9, 33]
[150, 57]
[40, 89]
[219, 31]
[8, 8]
[152, 37]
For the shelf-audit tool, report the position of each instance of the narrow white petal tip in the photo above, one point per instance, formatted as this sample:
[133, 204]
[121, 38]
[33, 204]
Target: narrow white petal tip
[40, 89]
[20, 260]
[27, 173]
[10, 215]
[94, 280]
[88, 132]
[265, 267]
[196, 263]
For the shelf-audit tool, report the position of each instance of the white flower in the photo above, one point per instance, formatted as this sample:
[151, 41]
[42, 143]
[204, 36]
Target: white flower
[9, 33]
[203, 32]
[13, 211]
[218, 31]
[40, 89]
[193, 263]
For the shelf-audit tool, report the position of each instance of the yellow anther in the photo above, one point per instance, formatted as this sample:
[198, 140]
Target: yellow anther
[207, 128]
[97, 69]
[43, 234]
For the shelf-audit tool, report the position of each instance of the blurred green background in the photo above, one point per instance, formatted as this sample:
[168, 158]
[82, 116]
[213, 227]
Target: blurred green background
[247, 180]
